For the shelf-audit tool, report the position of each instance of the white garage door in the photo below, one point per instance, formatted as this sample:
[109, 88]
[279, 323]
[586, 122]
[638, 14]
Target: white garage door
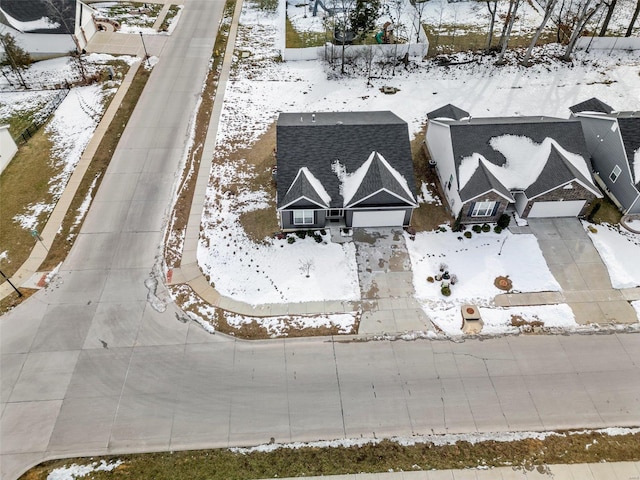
[570, 208]
[384, 218]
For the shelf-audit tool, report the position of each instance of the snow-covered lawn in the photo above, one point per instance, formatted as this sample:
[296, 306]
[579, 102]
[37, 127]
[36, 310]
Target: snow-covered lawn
[476, 262]
[261, 87]
[620, 251]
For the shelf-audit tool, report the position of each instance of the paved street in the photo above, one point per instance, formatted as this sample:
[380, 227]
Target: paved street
[100, 362]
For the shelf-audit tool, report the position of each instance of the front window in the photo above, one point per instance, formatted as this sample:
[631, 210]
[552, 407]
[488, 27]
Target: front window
[483, 209]
[615, 173]
[303, 217]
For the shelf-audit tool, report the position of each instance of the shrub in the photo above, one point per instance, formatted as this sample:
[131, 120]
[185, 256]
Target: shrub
[486, 228]
[476, 228]
[457, 226]
[445, 290]
[291, 239]
[323, 232]
[430, 279]
[454, 279]
[592, 229]
[443, 229]
[497, 229]
[467, 234]
[301, 234]
[503, 221]
[317, 237]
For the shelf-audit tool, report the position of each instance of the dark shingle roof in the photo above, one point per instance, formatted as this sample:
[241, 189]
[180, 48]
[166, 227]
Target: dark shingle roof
[630, 133]
[592, 105]
[378, 177]
[558, 171]
[301, 188]
[62, 12]
[448, 111]
[473, 136]
[317, 141]
[481, 182]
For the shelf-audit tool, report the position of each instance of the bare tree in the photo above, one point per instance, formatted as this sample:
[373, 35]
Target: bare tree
[607, 18]
[63, 11]
[418, 12]
[508, 26]
[492, 22]
[306, 265]
[585, 13]
[548, 10]
[634, 17]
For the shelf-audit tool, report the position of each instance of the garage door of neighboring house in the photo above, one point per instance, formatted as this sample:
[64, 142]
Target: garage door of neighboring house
[570, 208]
[383, 218]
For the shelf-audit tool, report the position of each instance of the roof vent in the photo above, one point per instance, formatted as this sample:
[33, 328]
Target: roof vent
[338, 122]
[300, 118]
[313, 117]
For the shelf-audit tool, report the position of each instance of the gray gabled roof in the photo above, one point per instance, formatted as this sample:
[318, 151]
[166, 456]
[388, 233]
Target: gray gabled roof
[592, 105]
[474, 136]
[317, 141]
[300, 189]
[62, 12]
[378, 178]
[630, 133]
[558, 171]
[481, 182]
[448, 111]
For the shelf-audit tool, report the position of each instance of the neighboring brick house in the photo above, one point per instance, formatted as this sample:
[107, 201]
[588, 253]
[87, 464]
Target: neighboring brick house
[347, 169]
[539, 166]
[613, 140]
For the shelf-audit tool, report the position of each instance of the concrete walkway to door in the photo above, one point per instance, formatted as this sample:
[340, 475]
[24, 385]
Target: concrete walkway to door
[583, 277]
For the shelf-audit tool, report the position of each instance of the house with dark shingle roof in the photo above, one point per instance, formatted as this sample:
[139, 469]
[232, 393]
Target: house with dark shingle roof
[348, 169]
[537, 166]
[613, 141]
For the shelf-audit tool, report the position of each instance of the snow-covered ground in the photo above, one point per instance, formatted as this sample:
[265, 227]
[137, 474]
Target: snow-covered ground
[620, 251]
[261, 87]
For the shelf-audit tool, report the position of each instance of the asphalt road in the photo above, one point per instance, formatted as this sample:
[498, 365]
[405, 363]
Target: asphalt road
[100, 363]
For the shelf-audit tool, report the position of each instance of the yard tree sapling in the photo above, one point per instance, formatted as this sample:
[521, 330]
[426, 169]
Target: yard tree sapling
[607, 18]
[306, 265]
[418, 12]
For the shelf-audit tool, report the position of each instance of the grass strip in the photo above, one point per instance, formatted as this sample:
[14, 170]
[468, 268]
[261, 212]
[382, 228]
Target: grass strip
[171, 13]
[182, 208]
[90, 183]
[224, 464]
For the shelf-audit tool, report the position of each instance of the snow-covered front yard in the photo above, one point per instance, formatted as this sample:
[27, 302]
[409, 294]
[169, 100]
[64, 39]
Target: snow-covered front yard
[620, 251]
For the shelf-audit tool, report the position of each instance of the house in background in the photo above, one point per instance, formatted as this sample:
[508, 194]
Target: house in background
[613, 140]
[47, 28]
[350, 169]
[539, 166]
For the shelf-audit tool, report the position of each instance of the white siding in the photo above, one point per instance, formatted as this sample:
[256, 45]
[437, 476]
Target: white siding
[8, 147]
[438, 141]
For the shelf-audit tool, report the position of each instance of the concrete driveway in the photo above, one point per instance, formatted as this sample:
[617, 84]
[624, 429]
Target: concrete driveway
[578, 268]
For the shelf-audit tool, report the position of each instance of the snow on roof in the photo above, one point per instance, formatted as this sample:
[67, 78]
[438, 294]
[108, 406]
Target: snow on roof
[397, 175]
[317, 186]
[43, 23]
[350, 182]
[636, 166]
[525, 160]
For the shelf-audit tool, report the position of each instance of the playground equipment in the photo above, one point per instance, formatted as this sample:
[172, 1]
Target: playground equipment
[318, 3]
[386, 35]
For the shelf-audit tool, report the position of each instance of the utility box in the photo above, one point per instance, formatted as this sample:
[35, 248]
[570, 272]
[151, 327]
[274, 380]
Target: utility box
[471, 321]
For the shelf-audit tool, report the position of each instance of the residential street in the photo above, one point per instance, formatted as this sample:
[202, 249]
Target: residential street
[101, 363]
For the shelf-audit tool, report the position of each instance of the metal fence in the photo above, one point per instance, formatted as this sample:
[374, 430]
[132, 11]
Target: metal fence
[47, 111]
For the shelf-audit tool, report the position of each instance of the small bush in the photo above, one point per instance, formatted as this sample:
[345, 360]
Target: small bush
[592, 229]
[467, 234]
[457, 226]
[430, 279]
[476, 228]
[443, 229]
[291, 240]
[445, 290]
[301, 234]
[497, 229]
[486, 228]
[317, 237]
[503, 221]
[323, 232]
